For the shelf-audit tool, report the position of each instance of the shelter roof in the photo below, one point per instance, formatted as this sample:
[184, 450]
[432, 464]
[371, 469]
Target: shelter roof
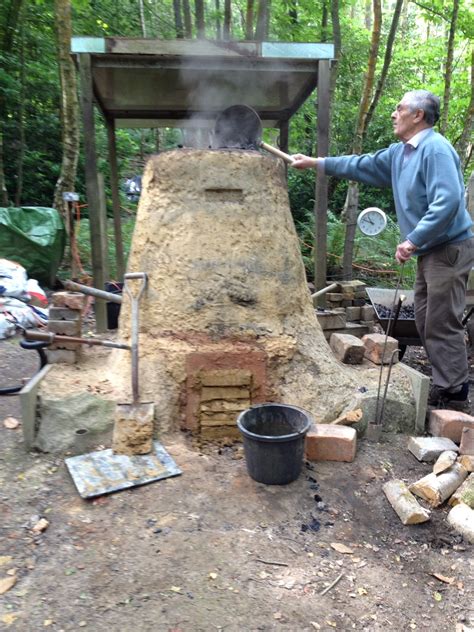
[186, 83]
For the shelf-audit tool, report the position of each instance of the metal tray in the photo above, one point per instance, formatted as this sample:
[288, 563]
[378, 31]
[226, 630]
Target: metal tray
[405, 329]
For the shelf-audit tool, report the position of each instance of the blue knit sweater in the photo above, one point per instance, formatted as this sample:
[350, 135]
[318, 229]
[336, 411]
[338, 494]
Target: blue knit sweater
[428, 190]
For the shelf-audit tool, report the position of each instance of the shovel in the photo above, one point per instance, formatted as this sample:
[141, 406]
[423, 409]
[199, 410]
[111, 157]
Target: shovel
[133, 430]
[240, 126]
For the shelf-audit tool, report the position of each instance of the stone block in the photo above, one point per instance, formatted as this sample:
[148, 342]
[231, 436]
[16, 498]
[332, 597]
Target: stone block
[347, 348]
[360, 302]
[449, 423]
[352, 313]
[360, 294]
[326, 442]
[64, 313]
[71, 300]
[429, 448]
[58, 356]
[226, 377]
[65, 327]
[209, 393]
[467, 441]
[331, 320]
[420, 385]
[334, 297]
[374, 348]
[367, 312]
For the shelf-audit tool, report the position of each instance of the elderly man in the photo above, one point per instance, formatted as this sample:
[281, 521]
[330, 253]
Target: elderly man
[424, 173]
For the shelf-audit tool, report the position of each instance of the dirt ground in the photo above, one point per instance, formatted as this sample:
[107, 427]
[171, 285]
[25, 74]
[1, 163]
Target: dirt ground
[213, 550]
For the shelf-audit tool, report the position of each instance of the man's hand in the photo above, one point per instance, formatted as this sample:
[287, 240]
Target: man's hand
[404, 251]
[300, 161]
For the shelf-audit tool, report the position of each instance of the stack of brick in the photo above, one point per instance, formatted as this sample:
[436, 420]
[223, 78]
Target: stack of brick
[65, 319]
[347, 310]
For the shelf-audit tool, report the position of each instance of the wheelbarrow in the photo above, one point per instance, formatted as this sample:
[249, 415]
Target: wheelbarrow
[402, 329]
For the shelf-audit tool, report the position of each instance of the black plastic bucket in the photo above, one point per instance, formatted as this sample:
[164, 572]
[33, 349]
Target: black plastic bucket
[273, 437]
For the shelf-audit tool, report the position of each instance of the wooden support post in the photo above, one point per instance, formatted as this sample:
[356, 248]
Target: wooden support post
[114, 185]
[321, 193]
[92, 188]
[104, 246]
[284, 133]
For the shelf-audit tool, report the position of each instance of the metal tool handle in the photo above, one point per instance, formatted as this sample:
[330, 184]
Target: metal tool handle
[134, 301]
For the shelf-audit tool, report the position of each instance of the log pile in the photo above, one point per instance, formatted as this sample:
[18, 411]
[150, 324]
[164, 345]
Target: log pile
[451, 480]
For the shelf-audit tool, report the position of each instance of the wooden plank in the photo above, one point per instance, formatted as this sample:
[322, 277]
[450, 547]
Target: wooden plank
[28, 401]
[179, 47]
[92, 188]
[321, 193]
[114, 184]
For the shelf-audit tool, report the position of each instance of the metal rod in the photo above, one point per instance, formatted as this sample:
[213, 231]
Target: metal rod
[377, 421]
[50, 337]
[93, 291]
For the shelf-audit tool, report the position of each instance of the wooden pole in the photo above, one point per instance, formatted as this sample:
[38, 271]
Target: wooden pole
[321, 193]
[92, 188]
[114, 184]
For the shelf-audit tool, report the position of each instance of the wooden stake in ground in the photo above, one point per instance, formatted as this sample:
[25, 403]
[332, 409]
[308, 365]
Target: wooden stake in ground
[404, 503]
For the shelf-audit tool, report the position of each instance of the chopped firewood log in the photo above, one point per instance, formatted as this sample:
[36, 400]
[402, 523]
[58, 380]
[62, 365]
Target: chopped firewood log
[444, 462]
[467, 461]
[461, 517]
[404, 503]
[464, 493]
[436, 489]
[349, 418]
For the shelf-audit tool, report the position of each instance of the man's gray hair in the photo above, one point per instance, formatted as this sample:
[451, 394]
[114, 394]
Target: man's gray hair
[426, 101]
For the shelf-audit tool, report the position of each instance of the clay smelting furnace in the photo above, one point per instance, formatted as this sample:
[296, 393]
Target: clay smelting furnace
[227, 320]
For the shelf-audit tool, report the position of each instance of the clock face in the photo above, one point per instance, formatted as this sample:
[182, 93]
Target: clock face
[372, 221]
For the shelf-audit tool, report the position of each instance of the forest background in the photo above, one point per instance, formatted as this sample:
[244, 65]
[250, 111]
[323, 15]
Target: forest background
[382, 49]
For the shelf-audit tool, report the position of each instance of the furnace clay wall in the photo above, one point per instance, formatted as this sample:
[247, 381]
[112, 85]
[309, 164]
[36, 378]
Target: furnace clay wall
[227, 296]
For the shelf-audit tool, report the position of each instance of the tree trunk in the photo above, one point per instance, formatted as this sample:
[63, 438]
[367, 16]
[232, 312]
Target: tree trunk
[368, 15]
[217, 5]
[386, 63]
[227, 20]
[249, 16]
[12, 16]
[200, 26]
[142, 17]
[69, 106]
[464, 144]
[178, 19]
[443, 125]
[352, 198]
[21, 123]
[324, 22]
[262, 18]
[188, 22]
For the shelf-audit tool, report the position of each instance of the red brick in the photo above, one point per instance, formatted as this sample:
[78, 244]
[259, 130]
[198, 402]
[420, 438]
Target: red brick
[467, 441]
[374, 346]
[449, 423]
[325, 442]
[71, 300]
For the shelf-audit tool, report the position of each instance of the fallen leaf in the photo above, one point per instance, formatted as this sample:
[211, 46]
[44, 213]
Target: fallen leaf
[277, 616]
[47, 622]
[443, 578]
[315, 625]
[437, 596]
[341, 548]
[11, 423]
[5, 559]
[333, 624]
[10, 618]
[212, 575]
[40, 526]
[6, 583]
[362, 591]
[176, 589]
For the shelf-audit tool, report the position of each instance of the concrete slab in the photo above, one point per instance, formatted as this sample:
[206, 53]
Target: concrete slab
[421, 386]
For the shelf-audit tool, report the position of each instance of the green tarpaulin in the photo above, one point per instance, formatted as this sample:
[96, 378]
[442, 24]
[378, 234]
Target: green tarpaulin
[34, 237]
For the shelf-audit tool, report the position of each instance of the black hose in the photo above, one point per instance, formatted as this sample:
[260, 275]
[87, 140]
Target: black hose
[28, 344]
